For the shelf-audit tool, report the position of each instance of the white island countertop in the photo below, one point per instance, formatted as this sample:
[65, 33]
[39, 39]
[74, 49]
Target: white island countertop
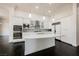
[33, 35]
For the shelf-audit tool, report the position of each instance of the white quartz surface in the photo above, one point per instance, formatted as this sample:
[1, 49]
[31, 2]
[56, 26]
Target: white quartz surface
[32, 35]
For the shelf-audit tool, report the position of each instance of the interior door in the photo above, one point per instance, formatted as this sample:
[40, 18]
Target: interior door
[58, 31]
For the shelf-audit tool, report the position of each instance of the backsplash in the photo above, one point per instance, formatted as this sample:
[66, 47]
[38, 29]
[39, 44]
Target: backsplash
[35, 26]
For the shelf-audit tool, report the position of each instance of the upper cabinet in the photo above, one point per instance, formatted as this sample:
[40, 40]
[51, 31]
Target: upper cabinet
[17, 21]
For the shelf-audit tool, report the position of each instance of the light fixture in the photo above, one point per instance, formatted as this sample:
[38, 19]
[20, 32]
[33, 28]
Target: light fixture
[44, 17]
[36, 7]
[30, 15]
[50, 3]
[49, 11]
[0, 23]
[53, 19]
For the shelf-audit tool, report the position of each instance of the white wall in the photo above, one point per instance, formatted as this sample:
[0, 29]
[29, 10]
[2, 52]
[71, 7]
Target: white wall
[78, 25]
[68, 32]
[65, 15]
[5, 21]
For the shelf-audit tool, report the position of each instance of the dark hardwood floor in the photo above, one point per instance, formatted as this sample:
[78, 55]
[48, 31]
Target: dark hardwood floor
[61, 49]
[17, 49]
[64, 49]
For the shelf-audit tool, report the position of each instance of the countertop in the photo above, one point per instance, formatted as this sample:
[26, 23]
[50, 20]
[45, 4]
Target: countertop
[33, 35]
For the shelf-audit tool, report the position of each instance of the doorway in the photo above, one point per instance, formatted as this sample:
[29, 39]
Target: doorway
[57, 30]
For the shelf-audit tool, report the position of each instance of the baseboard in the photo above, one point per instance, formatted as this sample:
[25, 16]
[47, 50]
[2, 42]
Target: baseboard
[44, 50]
[65, 43]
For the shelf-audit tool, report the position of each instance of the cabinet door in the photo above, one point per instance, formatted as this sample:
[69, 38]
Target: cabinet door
[17, 21]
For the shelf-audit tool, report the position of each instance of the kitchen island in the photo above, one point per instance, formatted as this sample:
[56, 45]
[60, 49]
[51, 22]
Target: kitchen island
[35, 42]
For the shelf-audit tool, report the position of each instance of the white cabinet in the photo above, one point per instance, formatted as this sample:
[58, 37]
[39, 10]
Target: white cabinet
[16, 33]
[34, 45]
[17, 20]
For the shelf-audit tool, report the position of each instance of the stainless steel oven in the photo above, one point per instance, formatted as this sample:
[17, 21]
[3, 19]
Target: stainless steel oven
[17, 32]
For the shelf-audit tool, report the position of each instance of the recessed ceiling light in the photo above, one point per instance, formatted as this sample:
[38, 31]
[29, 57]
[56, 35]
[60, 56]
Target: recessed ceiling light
[44, 17]
[49, 11]
[50, 3]
[53, 19]
[0, 23]
[36, 7]
[30, 15]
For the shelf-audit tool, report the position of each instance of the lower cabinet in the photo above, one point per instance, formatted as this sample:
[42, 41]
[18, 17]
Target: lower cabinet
[18, 49]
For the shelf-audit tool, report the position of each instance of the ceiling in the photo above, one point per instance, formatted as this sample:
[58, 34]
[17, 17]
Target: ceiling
[45, 9]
